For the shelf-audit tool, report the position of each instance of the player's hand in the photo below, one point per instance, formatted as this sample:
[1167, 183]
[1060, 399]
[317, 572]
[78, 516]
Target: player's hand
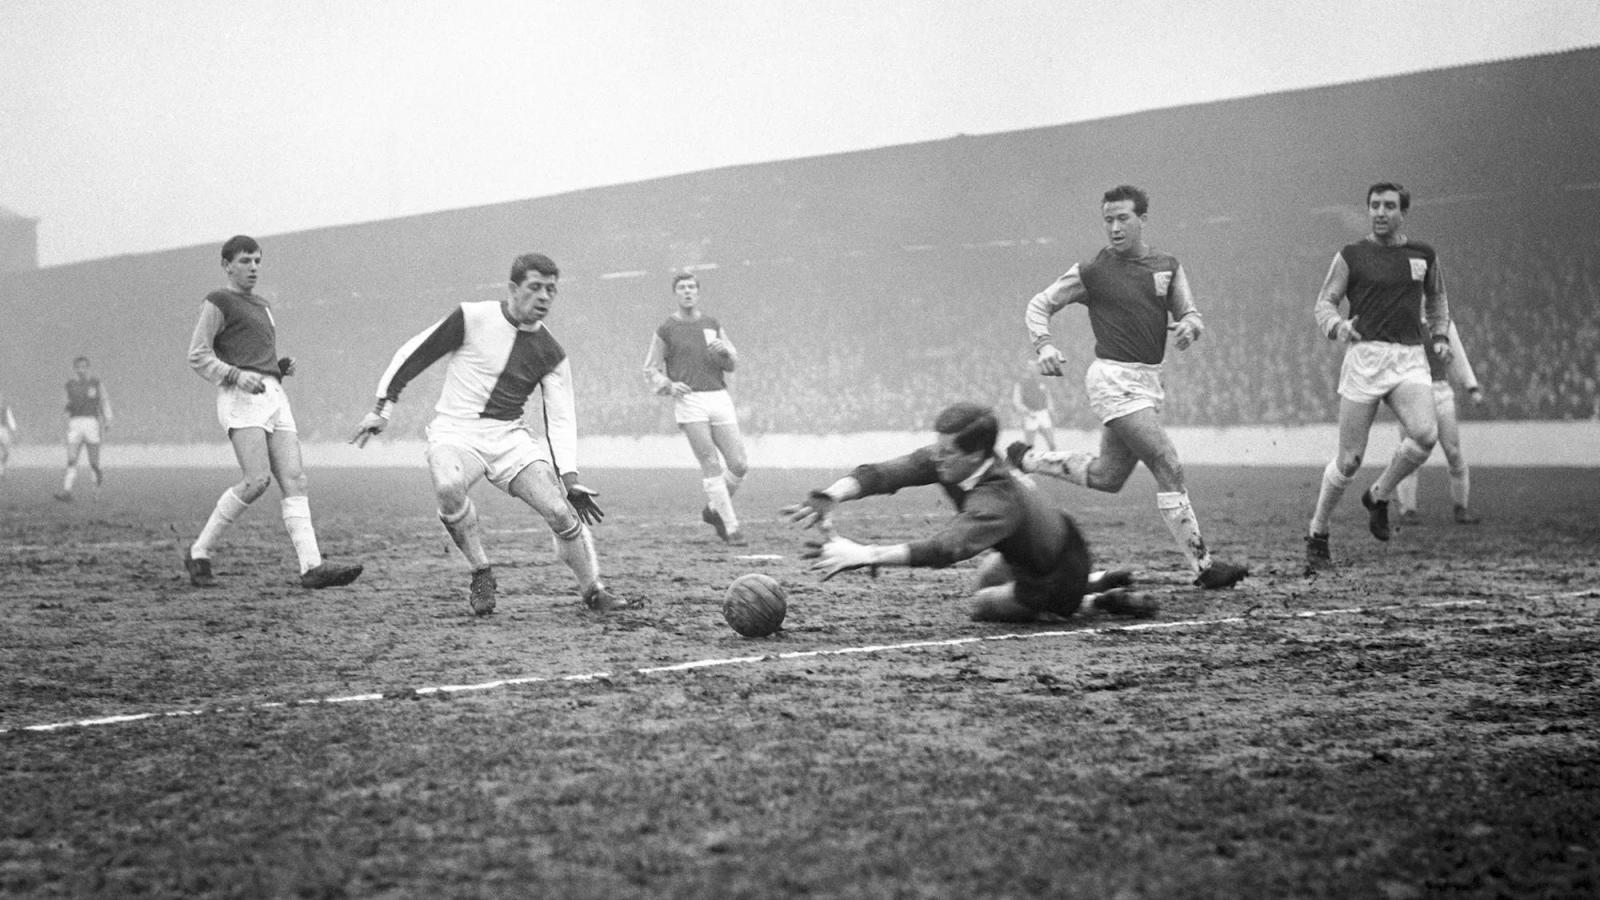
[285, 366]
[679, 389]
[251, 382]
[1049, 360]
[1475, 393]
[717, 345]
[1186, 331]
[1441, 347]
[582, 499]
[371, 424]
[838, 554]
[1345, 332]
[816, 510]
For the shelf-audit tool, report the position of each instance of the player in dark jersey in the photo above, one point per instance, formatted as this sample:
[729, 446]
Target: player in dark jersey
[1395, 292]
[498, 354]
[1446, 377]
[1031, 401]
[1135, 296]
[235, 347]
[88, 419]
[690, 356]
[1040, 565]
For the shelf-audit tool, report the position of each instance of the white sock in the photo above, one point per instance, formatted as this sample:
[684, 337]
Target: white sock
[69, 479]
[1185, 528]
[717, 496]
[297, 519]
[575, 547]
[229, 508]
[1408, 457]
[732, 481]
[1405, 493]
[1334, 483]
[463, 530]
[1069, 465]
[1460, 486]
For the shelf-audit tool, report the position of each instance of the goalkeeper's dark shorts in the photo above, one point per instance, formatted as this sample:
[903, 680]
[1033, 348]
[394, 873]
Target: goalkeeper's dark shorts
[1060, 590]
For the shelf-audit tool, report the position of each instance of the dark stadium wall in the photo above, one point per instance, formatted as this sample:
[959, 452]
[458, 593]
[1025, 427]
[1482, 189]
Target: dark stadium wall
[895, 276]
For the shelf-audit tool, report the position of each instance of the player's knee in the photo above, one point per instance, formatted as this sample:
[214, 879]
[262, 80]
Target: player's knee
[1348, 464]
[252, 487]
[1426, 438]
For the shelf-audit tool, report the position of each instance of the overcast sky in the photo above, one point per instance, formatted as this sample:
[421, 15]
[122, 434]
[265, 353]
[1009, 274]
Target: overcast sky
[133, 126]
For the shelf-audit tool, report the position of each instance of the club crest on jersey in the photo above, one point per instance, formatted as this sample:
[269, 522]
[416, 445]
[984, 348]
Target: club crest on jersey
[1419, 269]
[1163, 282]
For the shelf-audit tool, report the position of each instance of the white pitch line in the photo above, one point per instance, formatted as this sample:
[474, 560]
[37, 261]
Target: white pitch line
[737, 660]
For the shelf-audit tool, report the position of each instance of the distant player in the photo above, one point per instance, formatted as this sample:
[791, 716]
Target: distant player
[1035, 410]
[8, 433]
[1135, 296]
[1396, 294]
[234, 346]
[690, 356]
[88, 419]
[498, 353]
[1446, 377]
[1039, 565]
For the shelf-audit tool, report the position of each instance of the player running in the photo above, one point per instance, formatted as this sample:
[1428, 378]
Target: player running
[1386, 278]
[235, 347]
[8, 433]
[498, 353]
[1130, 291]
[88, 419]
[690, 356]
[1039, 567]
[1446, 376]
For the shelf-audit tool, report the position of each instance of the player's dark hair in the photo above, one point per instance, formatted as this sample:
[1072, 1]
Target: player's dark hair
[239, 243]
[536, 262]
[1141, 200]
[1386, 186]
[974, 426]
[80, 359]
[687, 276]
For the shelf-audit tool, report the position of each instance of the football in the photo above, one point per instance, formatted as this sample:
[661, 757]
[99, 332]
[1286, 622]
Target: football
[755, 605]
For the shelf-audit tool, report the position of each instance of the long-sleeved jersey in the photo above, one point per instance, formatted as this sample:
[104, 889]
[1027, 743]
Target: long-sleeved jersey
[1396, 292]
[1129, 300]
[995, 509]
[494, 367]
[235, 332]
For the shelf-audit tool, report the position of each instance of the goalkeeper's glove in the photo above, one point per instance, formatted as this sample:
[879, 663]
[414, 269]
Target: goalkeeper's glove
[285, 366]
[582, 499]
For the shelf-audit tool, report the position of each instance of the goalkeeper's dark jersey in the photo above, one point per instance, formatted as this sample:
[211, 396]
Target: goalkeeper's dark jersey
[996, 508]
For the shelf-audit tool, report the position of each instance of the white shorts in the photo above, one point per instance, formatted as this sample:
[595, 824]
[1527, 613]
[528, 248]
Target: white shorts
[5, 441]
[1119, 388]
[268, 410]
[83, 430]
[1373, 369]
[712, 407]
[504, 448]
[1037, 420]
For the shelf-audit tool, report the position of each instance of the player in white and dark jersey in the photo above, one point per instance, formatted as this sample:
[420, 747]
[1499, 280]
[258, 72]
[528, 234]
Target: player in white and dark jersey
[235, 347]
[689, 358]
[88, 419]
[498, 354]
[1135, 296]
[1031, 401]
[1395, 290]
[1447, 376]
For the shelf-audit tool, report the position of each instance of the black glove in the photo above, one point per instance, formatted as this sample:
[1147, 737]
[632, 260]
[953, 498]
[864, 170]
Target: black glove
[582, 500]
[285, 366]
[1015, 452]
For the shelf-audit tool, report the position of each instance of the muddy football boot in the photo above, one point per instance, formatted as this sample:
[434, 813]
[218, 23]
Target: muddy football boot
[1377, 515]
[480, 596]
[330, 574]
[1318, 556]
[1220, 575]
[714, 519]
[600, 599]
[1464, 516]
[199, 571]
[1123, 602]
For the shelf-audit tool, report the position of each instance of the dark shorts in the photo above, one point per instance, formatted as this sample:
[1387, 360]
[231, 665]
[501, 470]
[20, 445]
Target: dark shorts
[1060, 590]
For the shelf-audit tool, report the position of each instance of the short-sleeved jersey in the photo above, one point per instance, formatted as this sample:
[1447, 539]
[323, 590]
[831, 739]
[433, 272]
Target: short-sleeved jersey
[84, 398]
[1130, 302]
[494, 367]
[685, 358]
[1386, 287]
[248, 336]
[999, 510]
